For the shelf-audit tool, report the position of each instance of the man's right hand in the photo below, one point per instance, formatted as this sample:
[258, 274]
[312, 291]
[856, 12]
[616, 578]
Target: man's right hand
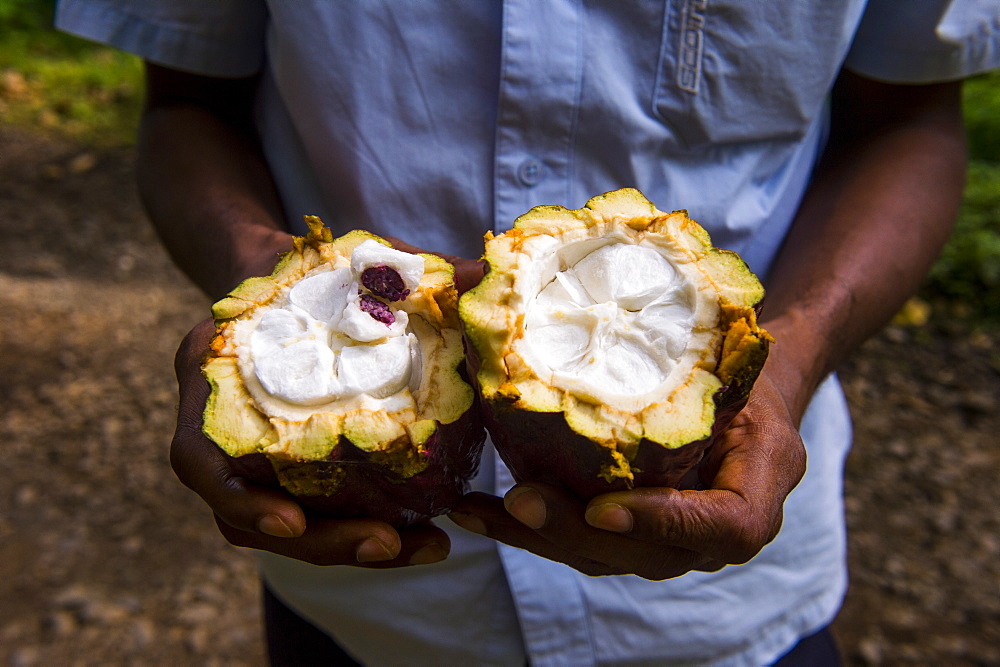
[260, 517]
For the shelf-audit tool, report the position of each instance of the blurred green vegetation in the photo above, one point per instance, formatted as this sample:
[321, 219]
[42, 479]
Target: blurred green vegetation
[58, 83]
[55, 82]
[965, 281]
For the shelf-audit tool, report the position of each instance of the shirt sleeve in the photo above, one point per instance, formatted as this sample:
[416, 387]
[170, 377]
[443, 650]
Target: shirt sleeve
[924, 41]
[223, 38]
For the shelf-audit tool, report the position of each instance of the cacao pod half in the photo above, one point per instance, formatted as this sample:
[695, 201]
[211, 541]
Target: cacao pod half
[611, 343]
[344, 368]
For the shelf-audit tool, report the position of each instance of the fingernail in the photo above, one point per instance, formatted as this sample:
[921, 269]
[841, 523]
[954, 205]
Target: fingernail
[431, 553]
[610, 516]
[275, 526]
[372, 550]
[469, 522]
[526, 505]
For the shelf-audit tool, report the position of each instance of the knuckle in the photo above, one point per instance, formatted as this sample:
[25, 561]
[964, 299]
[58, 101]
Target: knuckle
[682, 524]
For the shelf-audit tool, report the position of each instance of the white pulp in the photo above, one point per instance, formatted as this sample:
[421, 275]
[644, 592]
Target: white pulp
[319, 346]
[614, 323]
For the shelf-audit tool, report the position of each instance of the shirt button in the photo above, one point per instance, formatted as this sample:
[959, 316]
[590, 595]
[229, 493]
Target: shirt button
[530, 172]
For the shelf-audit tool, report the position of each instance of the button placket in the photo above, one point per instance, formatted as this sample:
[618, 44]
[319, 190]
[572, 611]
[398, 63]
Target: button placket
[536, 119]
[539, 89]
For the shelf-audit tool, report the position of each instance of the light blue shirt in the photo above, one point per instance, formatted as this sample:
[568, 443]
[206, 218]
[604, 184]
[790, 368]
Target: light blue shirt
[437, 121]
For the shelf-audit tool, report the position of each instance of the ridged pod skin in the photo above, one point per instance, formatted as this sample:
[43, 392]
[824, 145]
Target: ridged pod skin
[549, 434]
[399, 466]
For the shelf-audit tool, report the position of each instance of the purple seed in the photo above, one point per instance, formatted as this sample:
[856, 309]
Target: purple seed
[378, 310]
[385, 281]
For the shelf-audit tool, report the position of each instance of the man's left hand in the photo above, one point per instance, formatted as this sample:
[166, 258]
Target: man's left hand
[660, 533]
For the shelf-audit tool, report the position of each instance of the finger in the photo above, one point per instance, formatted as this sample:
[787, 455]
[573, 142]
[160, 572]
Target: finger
[359, 542]
[565, 521]
[207, 470]
[753, 466]
[730, 522]
[486, 515]
[549, 523]
[718, 524]
[242, 504]
[468, 272]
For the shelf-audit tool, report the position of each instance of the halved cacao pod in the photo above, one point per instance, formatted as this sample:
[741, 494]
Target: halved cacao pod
[612, 343]
[345, 369]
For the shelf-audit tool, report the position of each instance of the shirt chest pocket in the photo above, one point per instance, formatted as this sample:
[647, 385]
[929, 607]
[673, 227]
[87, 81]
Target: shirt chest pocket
[736, 71]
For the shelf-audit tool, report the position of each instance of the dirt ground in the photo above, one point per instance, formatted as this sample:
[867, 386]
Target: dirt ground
[106, 559]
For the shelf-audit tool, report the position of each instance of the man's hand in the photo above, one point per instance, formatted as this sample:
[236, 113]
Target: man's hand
[210, 195]
[659, 533]
[260, 517]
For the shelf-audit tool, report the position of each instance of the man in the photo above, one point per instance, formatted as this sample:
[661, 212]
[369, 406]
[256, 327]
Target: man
[822, 141]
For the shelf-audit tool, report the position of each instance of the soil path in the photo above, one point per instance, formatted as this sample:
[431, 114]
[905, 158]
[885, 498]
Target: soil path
[106, 558]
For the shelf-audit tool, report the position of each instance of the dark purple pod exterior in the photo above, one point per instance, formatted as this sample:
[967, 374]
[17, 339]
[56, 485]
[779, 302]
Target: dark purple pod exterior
[539, 447]
[356, 484]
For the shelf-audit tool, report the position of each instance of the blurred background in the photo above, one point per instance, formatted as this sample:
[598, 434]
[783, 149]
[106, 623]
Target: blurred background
[106, 558]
